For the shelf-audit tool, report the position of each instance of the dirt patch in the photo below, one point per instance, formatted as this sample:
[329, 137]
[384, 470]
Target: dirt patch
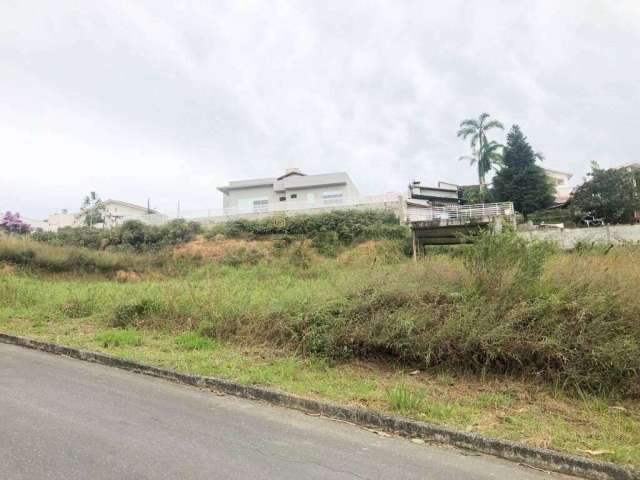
[123, 276]
[372, 252]
[220, 248]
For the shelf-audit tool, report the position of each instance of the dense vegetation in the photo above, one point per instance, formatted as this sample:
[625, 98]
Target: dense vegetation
[612, 194]
[503, 306]
[328, 232]
[520, 179]
[131, 235]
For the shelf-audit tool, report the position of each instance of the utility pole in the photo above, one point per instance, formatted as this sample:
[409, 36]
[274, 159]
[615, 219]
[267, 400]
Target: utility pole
[178, 212]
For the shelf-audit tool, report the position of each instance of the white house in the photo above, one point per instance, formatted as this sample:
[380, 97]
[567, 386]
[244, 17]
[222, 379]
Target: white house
[292, 191]
[560, 181]
[115, 212]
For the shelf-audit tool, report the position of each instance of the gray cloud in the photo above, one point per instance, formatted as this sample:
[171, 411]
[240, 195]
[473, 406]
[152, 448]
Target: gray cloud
[164, 100]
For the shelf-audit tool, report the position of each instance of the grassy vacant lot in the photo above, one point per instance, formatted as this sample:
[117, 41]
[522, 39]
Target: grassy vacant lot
[508, 339]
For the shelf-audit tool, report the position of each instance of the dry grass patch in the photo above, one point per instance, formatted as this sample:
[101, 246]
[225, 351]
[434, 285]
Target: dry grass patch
[220, 248]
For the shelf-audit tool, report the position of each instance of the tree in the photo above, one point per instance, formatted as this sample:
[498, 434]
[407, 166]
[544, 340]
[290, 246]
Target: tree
[92, 209]
[12, 223]
[483, 152]
[612, 194]
[520, 179]
[473, 195]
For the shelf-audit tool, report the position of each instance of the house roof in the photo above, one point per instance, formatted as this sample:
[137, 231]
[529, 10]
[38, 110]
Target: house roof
[631, 166]
[130, 205]
[551, 170]
[308, 181]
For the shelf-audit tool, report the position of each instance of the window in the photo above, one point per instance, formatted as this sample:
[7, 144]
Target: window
[282, 199]
[332, 198]
[294, 195]
[260, 205]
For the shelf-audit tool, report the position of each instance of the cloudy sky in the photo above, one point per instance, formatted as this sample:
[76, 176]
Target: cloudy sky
[167, 100]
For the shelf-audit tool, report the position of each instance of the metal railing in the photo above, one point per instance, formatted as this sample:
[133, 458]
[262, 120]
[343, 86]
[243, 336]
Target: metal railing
[460, 213]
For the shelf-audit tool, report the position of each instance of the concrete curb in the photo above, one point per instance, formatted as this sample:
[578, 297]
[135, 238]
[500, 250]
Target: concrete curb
[537, 457]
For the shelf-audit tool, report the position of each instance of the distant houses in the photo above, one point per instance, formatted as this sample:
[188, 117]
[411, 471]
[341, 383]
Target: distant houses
[115, 212]
[292, 192]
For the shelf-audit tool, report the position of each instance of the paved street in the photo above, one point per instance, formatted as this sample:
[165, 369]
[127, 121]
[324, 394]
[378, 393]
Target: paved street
[66, 419]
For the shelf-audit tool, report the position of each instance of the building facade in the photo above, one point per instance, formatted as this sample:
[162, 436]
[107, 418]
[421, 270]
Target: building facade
[560, 181]
[292, 191]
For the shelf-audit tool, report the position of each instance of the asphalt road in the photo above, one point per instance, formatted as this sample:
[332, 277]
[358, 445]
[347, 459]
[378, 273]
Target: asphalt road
[66, 419]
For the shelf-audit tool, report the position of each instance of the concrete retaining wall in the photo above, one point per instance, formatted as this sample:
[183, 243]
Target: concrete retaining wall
[569, 237]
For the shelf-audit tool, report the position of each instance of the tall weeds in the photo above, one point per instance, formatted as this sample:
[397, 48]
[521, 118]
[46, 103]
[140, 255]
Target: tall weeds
[507, 306]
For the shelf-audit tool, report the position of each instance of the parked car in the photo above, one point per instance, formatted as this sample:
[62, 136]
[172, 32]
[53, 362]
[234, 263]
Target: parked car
[590, 220]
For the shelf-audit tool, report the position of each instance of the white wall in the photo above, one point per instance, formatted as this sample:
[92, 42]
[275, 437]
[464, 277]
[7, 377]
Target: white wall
[241, 201]
[61, 220]
[243, 198]
[569, 237]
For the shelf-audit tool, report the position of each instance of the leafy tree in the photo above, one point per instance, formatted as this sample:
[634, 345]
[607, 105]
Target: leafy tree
[92, 209]
[474, 194]
[520, 180]
[483, 151]
[612, 194]
[12, 223]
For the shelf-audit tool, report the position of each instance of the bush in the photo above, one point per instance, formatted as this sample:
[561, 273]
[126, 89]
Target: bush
[500, 263]
[328, 231]
[129, 314]
[132, 235]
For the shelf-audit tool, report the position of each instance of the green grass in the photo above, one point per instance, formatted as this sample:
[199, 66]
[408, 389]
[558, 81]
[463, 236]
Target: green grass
[508, 339]
[502, 407]
[41, 256]
[404, 400]
[194, 341]
[118, 338]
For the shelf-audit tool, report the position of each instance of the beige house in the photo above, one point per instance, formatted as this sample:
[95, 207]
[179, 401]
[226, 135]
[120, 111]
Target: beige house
[115, 213]
[292, 191]
[560, 181]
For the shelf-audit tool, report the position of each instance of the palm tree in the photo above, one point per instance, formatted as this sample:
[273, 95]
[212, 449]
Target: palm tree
[483, 151]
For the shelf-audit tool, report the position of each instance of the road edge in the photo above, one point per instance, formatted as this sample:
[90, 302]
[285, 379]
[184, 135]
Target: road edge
[518, 452]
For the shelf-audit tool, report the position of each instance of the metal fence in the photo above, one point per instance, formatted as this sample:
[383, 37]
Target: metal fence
[460, 213]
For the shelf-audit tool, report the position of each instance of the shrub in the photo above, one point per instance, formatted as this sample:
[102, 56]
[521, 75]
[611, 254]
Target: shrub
[502, 262]
[340, 227]
[132, 234]
[128, 314]
[12, 223]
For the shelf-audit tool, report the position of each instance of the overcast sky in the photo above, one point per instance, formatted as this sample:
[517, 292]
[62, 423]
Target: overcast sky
[167, 100]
